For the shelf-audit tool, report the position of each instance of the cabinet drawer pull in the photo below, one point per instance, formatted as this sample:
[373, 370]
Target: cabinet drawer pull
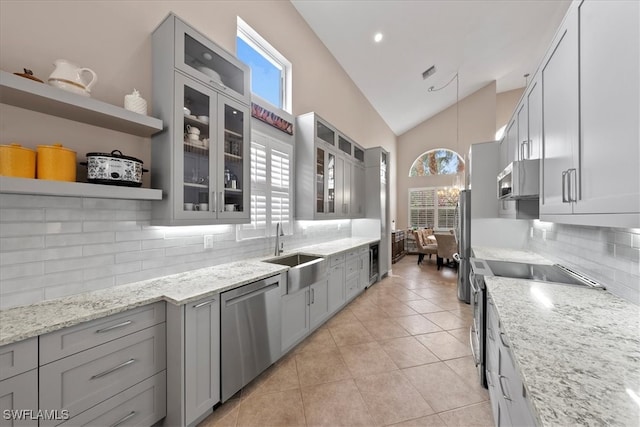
[123, 419]
[111, 328]
[502, 340]
[571, 189]
[564, 185]
[500, 377]
[313, 296]
[204, 303]
[115, 368]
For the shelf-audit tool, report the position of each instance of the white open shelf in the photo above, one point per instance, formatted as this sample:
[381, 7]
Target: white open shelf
[75, 189]
[24, 93]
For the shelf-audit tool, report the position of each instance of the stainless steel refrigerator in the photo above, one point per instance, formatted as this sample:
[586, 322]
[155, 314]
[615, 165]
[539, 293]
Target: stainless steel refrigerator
[464, 245]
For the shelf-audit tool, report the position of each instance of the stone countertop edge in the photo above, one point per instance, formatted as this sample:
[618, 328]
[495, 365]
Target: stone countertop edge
[577, 350]
[20, 323]
[492, 253]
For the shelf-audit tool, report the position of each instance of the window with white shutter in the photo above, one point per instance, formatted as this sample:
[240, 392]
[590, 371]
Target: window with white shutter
[271, 187]
[432, 207]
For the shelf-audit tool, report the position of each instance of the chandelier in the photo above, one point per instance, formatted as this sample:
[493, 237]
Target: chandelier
[448, 195]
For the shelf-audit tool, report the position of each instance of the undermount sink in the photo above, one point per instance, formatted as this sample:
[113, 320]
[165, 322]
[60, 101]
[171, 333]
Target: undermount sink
[304, 270]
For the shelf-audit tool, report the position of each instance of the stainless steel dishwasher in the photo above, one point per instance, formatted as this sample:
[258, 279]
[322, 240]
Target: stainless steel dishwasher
[250, 338]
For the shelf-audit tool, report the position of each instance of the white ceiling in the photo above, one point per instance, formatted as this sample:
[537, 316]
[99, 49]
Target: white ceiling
[482, 40]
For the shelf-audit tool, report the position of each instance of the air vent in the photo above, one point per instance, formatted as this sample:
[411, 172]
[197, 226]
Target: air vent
[429, 72]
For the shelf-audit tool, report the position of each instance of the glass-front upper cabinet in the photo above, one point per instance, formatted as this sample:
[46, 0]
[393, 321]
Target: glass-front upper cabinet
[233, 132]
[209, 63]
[196, 115]
[325, 133]
[345, 145]
[325, 181]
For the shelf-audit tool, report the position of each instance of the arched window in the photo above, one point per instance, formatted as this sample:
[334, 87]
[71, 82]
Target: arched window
[437, 162]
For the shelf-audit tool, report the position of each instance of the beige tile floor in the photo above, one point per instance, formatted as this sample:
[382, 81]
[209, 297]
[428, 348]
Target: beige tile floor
[396, 355]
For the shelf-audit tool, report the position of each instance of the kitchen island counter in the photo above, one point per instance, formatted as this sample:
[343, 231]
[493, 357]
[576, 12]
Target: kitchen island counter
[577, 349]
[491, 253]
[24, 322]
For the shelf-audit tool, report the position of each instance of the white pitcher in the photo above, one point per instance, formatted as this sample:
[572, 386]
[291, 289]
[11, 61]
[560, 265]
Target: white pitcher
[68, 74]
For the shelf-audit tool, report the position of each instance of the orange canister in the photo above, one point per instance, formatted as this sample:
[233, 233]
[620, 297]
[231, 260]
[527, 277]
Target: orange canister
[56, 162]
[17, 161]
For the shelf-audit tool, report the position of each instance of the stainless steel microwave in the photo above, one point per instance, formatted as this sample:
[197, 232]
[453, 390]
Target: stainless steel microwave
[520, 180]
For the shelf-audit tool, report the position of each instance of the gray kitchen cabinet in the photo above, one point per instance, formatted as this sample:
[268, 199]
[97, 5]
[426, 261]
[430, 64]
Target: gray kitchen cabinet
[202, 159]
[509, 401]
[19, 382]
[202, 358]
[20, 392]
[358, 189]
[193, 356]
[141, 405]
[82, 380]
[302, 312]
[363, 280]
[337, 295]
[534, 119]
[560, 115]
[352, 274]
[609, 180]
[590, 131]
[329, 171]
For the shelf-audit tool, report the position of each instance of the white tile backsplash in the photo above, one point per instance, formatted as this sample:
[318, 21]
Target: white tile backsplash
[608, 255]
[52, 247]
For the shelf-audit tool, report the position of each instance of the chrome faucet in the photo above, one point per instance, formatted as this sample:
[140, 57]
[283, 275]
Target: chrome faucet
[279, 246]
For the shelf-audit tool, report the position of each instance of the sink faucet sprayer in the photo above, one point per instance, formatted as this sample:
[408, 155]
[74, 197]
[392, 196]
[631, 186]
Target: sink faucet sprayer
[279, 246]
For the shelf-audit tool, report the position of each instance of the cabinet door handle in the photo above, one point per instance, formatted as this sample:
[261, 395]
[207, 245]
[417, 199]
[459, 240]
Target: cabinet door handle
[111, 370]
[524, 156]
[309, 297]
[124, 419]
[506, 397]
[220, 202]
[488, 372]
[214, 205]
[111, 328]
[572, 188]
[490, 333]
[313, 296]
[202, 304]
[564, 185]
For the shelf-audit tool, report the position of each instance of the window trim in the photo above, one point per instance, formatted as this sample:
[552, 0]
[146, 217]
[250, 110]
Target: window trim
[460, 160]
[264, 48]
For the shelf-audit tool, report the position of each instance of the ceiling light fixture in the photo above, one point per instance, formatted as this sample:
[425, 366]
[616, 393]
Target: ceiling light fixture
[377, 37]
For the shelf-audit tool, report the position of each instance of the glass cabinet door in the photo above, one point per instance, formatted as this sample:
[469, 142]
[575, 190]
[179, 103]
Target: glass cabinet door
[193, 151]
[235, 182]
[325, 133]
[331, 183]
[209, 63]
[320, 199]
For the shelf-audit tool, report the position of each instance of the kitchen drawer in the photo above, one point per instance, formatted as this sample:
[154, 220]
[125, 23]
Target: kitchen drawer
[68, 341]
[351, 254]
[19, 392]
[352, 267]
[141, 405]
[80, 381]
[18, 357]
[336, 259]
[352, 287]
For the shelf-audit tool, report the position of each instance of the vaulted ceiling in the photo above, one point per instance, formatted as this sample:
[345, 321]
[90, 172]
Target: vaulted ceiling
[481, 40]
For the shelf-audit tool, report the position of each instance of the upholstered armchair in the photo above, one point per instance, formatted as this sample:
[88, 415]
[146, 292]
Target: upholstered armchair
[447, 246]
[424, 245]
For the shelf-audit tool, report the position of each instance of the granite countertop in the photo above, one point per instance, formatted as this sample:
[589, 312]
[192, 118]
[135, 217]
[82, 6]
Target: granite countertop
[506, 254]
[20, 323]
[577, 349]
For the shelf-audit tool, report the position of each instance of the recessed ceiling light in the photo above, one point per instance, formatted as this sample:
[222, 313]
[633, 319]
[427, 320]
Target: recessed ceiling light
[377, 37]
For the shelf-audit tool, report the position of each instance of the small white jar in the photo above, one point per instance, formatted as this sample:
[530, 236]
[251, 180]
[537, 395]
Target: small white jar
[134, 102]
